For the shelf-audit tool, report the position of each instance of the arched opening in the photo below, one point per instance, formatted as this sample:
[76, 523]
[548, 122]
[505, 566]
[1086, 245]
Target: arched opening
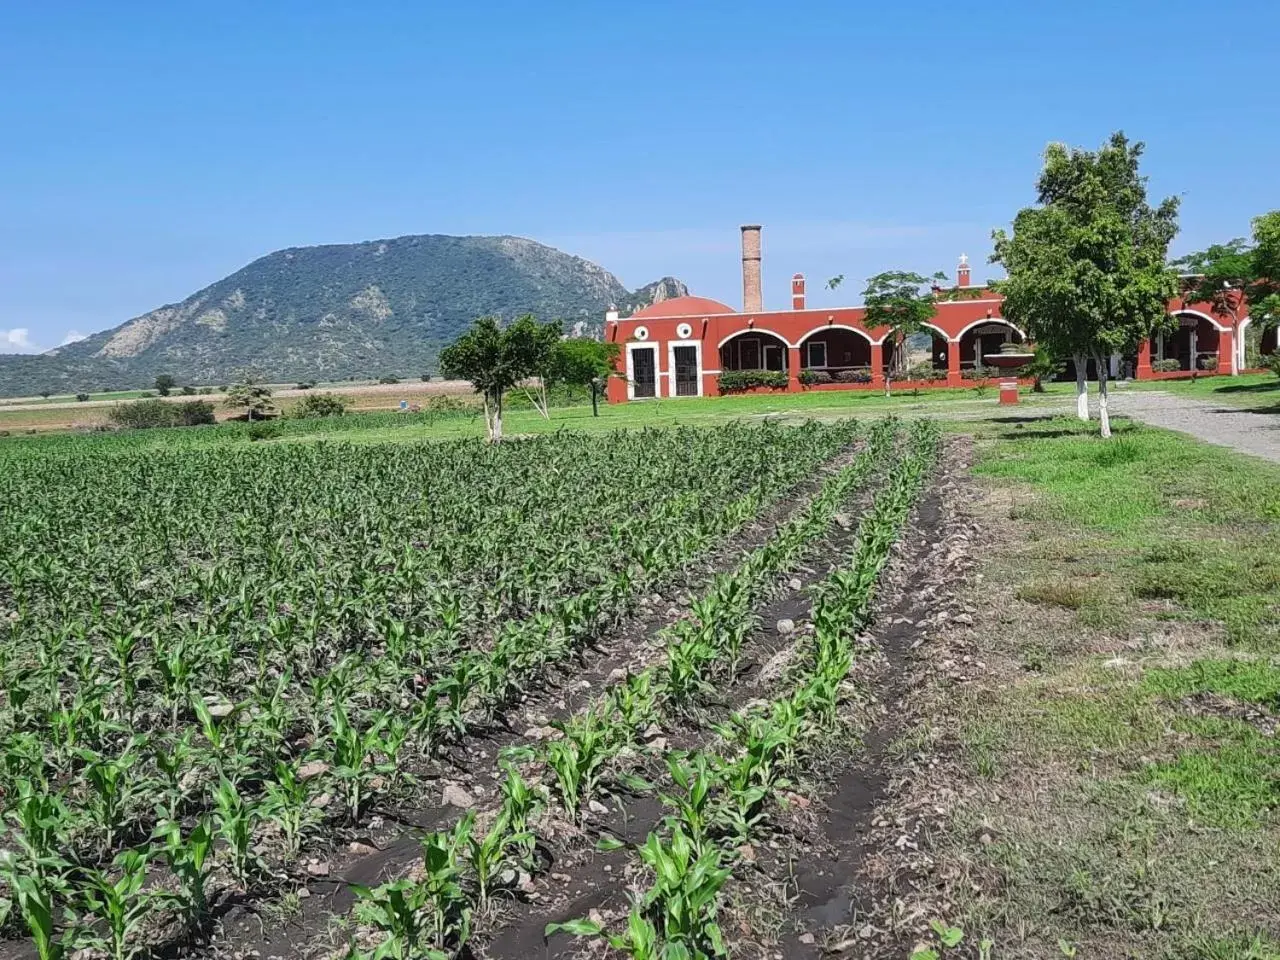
[754, 350]
[985, 338]
[842, 353]
[1192, 345]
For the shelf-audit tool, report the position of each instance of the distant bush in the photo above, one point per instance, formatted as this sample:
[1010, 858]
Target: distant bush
[82, 397]
[46, 394]
[1209, 363]
[1166, 366]
[811, 377]
[735, 380]
[925, 371]
[306, 385]
[856, 375]
[205, 391]
[188, 391]
[258, 430]
[425, 378]
[146, 395]
[1272, 362]
[315, 405]
[145, 414]
[388, 379]
[979, 373]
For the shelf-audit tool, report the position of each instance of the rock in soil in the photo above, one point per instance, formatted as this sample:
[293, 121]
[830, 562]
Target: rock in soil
[786, 627]
[457, 796]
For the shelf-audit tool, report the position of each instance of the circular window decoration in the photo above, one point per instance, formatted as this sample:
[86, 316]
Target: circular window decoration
[684, 331]
[641, 333]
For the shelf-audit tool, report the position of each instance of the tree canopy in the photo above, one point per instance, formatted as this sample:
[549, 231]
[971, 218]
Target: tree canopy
[1228, 276]
[1087, 267]
[493, 359]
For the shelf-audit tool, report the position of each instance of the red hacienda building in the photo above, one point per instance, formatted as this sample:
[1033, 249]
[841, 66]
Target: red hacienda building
[679, 347]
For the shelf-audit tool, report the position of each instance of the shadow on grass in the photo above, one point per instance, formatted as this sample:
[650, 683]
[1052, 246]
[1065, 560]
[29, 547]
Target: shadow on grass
[1250, 388]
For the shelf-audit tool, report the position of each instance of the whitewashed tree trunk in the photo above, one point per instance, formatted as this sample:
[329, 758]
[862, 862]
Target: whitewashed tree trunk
[1082, 386]
[495, 435]
[1104, 418]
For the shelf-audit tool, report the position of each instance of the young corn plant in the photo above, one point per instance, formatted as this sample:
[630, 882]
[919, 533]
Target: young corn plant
[521, 802]
[355, 757]
[235, 818]
[120, 905]
[677, 916]
[287, 803]
[36, 897]
[577, 760]
[189, 861]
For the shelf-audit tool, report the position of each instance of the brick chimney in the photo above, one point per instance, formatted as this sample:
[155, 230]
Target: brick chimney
[962, 271]
[751, 298]
[797, 292]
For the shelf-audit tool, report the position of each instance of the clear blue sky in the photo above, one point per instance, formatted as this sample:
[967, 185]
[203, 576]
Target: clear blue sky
[149, 148]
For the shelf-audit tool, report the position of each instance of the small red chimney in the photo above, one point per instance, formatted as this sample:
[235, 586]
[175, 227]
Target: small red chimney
[797, 292]
[962, 271]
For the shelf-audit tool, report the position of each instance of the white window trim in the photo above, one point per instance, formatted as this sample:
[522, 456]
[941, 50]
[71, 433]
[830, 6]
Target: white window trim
[631, 370]
[671, 364]
[809, 349]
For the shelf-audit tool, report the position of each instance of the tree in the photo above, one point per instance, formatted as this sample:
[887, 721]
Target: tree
[315, 405]
[1087, 271]
[1264, 291]
[165, 383]
[1217, 276]
[252, 396]
[1042, 367]
[494, 359]
[902, 301]
[583, 362]
[1238, 275]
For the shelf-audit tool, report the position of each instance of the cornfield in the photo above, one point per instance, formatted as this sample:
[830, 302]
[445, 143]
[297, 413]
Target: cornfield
[216, 660]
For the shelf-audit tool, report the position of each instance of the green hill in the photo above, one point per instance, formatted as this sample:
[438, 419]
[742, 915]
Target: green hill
[381, 308]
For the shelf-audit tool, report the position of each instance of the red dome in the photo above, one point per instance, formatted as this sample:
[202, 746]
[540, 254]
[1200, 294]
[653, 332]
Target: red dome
[681, 307]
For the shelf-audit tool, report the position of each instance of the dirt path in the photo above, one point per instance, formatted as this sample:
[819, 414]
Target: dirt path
[1243, 430]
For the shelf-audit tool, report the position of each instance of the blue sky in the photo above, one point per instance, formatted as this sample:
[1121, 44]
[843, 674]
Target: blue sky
[151, 148]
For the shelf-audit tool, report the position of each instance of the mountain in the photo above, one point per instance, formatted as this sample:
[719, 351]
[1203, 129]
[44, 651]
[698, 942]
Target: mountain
[380, 308]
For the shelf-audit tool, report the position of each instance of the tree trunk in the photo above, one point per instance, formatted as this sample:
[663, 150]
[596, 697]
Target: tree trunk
[1236, 346]
[1082, 386]
[595, 408]
[1104, 418]
[495, 435]
[888, 380]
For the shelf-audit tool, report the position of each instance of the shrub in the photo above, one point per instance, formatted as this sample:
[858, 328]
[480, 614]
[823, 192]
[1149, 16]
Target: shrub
[735, 380]
[388, 379]
[146, 395]
[856, 375]
[82, 397]
[425, 378]
[205, 391]
[979, 373]
[810, 377]
[306, 385]
[1271, 362]
[1209, 363]
[1165, 366]
[145, 414]
[925, 371]
[188, 391]
[193, 413]
[319, 405]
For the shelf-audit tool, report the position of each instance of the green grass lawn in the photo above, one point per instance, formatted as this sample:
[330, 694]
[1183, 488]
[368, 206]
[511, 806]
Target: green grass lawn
[1128, 729]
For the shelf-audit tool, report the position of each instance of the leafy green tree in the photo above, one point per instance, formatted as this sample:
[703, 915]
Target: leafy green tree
[1264, 291]
[164, 384]
[1236, 276]
[251, 396]
[1042, 367]
[902, 301]
[583, 362]
[494, 359]
[1087, 267]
